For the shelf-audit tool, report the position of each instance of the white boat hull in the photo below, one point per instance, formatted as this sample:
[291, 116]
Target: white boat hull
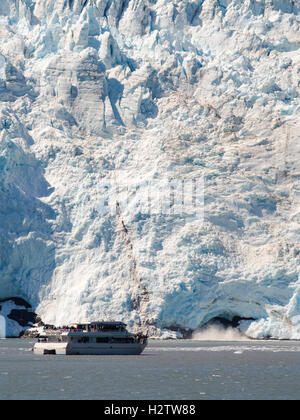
[89, 349]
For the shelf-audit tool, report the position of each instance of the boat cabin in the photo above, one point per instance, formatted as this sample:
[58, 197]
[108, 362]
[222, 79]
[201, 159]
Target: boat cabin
[98, 327]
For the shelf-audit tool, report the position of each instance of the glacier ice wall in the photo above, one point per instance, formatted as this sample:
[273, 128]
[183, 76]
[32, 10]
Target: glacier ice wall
[98, 90]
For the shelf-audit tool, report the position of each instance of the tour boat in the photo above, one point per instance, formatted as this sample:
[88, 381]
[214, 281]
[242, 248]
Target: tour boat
[96, 338]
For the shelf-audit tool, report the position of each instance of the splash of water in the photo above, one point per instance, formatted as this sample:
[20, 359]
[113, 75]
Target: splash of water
[218, 333]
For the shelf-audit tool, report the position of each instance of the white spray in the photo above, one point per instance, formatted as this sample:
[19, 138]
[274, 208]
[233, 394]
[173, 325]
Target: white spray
[219, 333]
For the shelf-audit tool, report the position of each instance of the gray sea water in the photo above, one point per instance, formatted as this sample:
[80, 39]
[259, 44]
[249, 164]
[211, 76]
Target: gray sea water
[167, 370]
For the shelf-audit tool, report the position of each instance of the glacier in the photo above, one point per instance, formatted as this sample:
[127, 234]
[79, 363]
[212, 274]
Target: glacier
[95, 92]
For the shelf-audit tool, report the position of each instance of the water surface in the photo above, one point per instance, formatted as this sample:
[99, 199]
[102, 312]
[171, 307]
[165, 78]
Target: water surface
[186, 369]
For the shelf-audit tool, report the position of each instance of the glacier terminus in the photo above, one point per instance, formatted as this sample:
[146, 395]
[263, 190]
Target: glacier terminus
[104, 101]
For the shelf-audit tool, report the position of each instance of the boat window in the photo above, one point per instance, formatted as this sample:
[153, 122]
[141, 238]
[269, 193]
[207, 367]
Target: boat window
[83, 340]
[110, 327]
[102, 340]
[122, 340]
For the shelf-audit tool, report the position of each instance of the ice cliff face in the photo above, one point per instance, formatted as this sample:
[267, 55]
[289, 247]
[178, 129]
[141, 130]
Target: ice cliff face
[95, 91]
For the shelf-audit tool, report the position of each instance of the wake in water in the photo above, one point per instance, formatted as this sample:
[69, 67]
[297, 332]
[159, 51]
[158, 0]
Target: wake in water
[218, 333]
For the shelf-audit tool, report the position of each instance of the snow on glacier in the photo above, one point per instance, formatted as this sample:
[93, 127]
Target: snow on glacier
[95, 92]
